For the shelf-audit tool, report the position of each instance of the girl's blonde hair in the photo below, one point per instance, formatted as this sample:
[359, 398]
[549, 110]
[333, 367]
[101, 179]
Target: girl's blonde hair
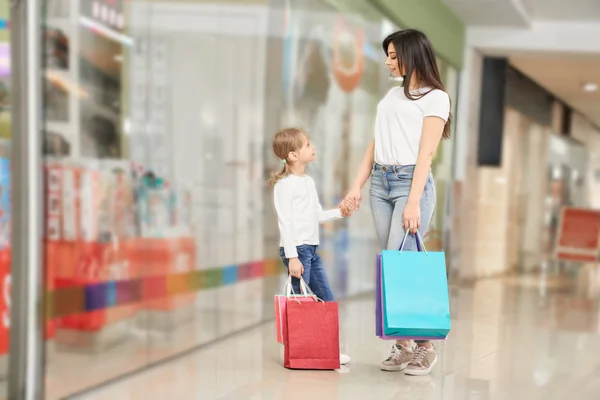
[286, 141]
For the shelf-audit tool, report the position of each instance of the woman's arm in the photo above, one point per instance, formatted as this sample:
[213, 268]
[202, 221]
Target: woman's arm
[364, 171]
[352, 199]
[433, 128]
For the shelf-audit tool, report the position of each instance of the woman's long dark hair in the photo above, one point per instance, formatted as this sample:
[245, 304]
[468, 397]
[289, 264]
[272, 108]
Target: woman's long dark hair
[417, 58]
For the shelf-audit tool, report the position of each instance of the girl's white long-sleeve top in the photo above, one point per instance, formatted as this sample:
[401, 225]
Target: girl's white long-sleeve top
[299, 213]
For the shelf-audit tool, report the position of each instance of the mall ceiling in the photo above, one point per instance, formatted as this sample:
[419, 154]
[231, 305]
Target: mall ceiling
[566, 76]
[521, 13]
[563, 74]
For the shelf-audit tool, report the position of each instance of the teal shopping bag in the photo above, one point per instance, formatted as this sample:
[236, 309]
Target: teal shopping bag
[415, 294]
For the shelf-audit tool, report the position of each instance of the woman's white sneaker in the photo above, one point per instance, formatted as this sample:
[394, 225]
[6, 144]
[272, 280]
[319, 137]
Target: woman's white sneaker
[422, 362]
[398, 360]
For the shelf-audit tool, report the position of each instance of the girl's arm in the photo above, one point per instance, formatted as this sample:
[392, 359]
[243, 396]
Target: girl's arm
[283, 206]
[326, 215]
[329, 215]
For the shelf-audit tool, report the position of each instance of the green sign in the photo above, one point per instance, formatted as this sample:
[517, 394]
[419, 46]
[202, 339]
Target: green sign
[445, 30]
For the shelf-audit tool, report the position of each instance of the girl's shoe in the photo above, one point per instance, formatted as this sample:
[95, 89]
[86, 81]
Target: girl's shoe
[422, 362]
[344, 359]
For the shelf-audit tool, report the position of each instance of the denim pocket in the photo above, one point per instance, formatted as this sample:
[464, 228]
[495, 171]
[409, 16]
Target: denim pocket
[404, 176]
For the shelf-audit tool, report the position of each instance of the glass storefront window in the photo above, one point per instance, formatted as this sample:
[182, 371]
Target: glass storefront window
[5, 185]
[158, 117]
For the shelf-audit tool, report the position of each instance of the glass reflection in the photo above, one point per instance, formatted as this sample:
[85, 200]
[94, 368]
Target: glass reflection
[5, 196]
[160, 233]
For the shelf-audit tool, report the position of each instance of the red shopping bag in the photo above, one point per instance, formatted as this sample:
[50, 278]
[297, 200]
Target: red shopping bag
[311, 335]
[281, 301]
[280, 311]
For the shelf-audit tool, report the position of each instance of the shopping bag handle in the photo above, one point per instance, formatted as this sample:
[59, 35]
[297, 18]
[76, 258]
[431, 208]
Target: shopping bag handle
[420, 244]
[288, 289]
[305, 290]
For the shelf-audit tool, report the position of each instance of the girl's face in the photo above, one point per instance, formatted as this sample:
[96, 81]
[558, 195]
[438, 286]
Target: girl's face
[307, 153]
[392, 61]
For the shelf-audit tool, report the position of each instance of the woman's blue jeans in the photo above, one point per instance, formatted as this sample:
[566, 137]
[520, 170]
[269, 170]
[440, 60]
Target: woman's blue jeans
[390, 187]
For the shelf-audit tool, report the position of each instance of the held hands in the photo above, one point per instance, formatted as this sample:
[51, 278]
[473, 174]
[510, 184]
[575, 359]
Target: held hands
[296, 268]
[345, 208]
[411, 217]
[351, 202]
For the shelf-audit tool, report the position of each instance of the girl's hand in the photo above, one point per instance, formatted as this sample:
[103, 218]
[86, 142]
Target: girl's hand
[352, 199]
[346, 210]
[296, 268]
[350, 204]
[411, 217]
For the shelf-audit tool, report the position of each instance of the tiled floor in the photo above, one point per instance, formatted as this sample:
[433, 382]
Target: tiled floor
[516, 338]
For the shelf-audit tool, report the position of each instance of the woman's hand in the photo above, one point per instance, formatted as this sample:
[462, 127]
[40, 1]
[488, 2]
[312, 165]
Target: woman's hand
[352, 200]
[411, 217]
[346, 209]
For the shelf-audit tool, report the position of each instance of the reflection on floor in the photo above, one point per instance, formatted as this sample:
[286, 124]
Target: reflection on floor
[217, 313]
[514, 338]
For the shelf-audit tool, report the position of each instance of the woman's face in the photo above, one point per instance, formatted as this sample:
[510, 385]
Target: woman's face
[392, 61]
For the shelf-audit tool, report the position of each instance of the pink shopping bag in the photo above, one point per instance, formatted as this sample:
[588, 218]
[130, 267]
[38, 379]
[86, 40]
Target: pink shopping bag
[280, 304]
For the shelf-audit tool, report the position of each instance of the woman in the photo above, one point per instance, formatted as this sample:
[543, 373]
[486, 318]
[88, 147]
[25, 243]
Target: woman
[410, 122]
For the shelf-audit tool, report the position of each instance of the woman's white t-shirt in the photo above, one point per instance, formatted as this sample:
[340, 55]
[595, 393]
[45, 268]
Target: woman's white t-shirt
[399, 123]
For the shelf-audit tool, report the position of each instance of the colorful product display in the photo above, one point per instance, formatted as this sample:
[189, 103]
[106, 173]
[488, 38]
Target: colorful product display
[4, 301]
[4, 255]
[5, 276]
[106, 231]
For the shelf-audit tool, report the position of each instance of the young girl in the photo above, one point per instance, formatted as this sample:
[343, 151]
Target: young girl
[299, 214]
